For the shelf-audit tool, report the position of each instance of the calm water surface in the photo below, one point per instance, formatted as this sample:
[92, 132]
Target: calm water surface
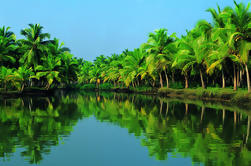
[117, 129]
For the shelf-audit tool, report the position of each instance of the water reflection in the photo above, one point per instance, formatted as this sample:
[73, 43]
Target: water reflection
[212, 136]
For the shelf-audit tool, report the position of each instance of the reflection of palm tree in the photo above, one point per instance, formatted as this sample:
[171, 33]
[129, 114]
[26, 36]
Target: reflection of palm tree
[248, 129]
[186, 105]
[202, 113]
[223, 115]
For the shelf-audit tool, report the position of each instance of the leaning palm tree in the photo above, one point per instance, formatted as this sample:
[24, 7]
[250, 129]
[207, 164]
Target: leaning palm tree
[35, 45]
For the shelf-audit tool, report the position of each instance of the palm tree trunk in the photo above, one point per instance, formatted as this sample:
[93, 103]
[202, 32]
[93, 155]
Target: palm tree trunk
[202, 81]
[167, 108]
[167, 81]
[161, 106]
[186, 81]
[22, 88]
[241, 76]
[248, 129]
[248, 78]
[223, 80]
[238, 77]
[235, 80]
[160, 80]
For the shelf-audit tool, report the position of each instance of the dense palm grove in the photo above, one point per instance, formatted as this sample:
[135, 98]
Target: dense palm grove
[34, 61]
[211, 54]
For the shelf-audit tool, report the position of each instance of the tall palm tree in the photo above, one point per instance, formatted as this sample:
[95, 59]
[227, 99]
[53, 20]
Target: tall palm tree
[158, 47]
[240, 39]
[35, 44]
[192, 54]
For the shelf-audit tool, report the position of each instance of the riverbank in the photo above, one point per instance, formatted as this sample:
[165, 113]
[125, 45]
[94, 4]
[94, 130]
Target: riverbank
[240, 97]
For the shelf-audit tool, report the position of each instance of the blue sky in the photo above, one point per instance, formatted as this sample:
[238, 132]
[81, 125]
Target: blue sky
[94, 27]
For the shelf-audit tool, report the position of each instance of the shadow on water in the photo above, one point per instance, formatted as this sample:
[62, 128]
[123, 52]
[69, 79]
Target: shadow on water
[208, 135]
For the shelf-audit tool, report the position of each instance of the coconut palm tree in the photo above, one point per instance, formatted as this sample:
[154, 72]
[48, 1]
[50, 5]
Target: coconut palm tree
[69, 68]
[6, 77]
[49, 70]
[240, 39]
[158, 47]
[7, 45]
[35, 45]
[131, 65]
[22, 75]
[192, 54]
[83, 75]
[111, 69]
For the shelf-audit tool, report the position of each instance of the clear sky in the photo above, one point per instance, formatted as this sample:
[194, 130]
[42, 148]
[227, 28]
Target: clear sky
[94, 27]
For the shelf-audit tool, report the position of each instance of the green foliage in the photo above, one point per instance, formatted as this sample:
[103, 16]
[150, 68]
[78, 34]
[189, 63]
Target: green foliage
[210, 54]
[176, 85]
[35, 61]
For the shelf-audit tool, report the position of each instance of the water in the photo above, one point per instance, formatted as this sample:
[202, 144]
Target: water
[78, 128]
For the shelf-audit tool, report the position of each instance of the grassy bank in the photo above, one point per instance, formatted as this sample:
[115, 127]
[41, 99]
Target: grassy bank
[240, 97]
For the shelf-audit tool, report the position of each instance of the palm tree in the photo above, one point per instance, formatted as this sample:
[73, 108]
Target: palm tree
[6, 76]
[69, 68]
[35, 44]
[220, 53]
[56, 48]
[83, 75]
[131, 65]
[21, 75]
[193, 50]
[239, 41]
[158, 47]
[111, 69]
[49, 70]
[7, 45]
